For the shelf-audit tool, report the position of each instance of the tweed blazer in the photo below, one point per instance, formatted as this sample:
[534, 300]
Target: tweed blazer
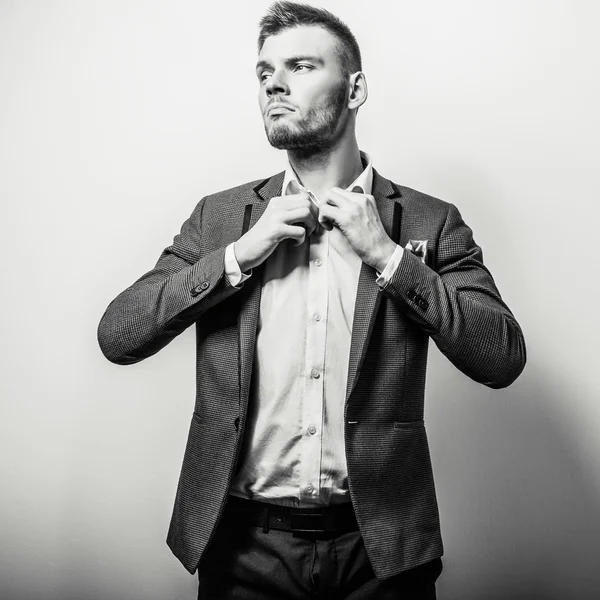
[450, 298]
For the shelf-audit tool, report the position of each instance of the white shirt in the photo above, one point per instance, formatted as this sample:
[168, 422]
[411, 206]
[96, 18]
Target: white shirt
[293, 451]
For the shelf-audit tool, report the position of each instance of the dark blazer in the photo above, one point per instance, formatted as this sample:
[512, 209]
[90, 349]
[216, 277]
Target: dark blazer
[452, 299]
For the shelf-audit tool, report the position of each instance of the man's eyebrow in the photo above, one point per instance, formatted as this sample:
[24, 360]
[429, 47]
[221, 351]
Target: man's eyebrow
[292, 60]
[262, 64]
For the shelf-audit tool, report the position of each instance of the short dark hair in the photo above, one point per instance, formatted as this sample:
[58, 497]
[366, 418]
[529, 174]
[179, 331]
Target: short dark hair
[287, 15]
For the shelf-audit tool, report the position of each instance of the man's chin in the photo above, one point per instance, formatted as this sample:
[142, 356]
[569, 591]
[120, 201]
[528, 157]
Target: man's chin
[284, 144]
[284, 139]
[281, 137]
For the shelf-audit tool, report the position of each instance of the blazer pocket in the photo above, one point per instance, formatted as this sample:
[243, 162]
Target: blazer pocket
[408, 424]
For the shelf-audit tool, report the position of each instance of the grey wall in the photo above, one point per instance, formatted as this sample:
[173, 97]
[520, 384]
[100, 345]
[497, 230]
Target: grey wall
[116, 117]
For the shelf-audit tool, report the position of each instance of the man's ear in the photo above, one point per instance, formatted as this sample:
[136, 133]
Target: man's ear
[358, 90]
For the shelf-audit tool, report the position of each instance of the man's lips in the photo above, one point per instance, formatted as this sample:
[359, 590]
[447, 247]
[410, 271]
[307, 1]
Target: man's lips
[279, 109]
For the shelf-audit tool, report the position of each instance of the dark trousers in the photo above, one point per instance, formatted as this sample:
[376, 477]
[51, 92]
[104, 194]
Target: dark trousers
[245, 563]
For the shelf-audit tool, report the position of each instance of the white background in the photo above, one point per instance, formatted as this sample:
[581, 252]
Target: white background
[116, 117]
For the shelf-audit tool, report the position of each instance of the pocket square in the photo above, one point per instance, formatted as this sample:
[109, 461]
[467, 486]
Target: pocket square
[418, 248]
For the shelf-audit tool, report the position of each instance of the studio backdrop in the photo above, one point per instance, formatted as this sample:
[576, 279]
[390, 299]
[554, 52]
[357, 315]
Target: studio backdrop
[116, 117]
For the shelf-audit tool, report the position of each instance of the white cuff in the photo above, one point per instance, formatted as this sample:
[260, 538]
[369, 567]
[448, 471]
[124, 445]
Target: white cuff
[390, 268]
[232, 268]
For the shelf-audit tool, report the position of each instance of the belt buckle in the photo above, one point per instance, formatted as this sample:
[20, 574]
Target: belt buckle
[305, 522]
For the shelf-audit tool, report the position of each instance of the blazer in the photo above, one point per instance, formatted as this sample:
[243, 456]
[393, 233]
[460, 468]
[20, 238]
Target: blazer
[451, 298]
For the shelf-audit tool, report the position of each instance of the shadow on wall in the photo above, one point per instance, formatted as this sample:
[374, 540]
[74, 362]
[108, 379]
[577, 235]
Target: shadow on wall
[519, 501]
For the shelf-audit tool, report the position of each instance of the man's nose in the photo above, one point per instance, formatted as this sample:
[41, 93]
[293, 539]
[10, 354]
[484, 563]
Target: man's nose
[276, 84]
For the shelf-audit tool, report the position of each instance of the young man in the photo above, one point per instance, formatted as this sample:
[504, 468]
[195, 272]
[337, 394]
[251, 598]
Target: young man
[314, 293]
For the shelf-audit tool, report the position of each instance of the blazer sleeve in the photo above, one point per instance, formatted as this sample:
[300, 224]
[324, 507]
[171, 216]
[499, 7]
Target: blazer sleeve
[459, 306]
[161, 304]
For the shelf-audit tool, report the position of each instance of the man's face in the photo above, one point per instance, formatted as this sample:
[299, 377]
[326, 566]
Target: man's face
[303, 95]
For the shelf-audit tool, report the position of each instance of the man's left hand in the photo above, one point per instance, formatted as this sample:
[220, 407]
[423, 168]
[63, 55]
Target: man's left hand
[356, 216]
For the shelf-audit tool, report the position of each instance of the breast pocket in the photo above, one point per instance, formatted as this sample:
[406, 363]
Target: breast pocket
[408, 424]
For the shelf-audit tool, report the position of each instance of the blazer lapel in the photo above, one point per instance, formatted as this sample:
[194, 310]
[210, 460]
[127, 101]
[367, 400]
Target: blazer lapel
[248, 317]
[368, 296]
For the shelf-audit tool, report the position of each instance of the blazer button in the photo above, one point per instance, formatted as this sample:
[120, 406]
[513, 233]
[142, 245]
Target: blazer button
[411, 294]
[200, 288]
[423, 304]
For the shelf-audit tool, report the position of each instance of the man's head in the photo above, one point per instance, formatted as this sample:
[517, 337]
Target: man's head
[309, 68]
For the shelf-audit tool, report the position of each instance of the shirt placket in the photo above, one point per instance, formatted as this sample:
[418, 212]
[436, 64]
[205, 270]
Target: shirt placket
[316, 330]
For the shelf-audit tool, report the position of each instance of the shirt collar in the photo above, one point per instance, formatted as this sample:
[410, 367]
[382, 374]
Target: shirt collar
[364, 181]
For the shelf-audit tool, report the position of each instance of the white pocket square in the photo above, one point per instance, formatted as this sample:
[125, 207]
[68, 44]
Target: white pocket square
[418, 248]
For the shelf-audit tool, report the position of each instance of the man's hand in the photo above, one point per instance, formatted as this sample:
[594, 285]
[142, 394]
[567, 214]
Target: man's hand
[355, 214]
[286, 217]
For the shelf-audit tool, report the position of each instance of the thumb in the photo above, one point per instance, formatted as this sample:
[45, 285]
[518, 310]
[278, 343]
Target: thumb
[324, 218]
[301, 240]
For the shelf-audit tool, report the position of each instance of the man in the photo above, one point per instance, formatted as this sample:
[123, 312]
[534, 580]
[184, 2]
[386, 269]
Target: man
[314, 293]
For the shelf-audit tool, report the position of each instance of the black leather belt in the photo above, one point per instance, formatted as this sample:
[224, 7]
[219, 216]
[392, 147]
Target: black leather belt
[336, 519]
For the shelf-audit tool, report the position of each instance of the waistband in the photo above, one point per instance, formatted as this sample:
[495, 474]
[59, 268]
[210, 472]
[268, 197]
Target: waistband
[326, 520]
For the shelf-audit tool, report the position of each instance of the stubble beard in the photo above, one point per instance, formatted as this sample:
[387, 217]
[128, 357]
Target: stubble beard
[318, 130]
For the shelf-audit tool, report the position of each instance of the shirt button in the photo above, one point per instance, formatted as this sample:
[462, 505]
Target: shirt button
[317, 317]
[309, 488]
[315, 374]
[312, 430]
[318, 262]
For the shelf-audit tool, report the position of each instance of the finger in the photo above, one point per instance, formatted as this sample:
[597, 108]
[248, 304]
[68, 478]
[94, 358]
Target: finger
[302, 214]
[334, 198]
[339, 196]
[296, 200]
[296, 233]
[309, 227]
[311, 224]
[327, 216]
[301, 200]
[313, 204]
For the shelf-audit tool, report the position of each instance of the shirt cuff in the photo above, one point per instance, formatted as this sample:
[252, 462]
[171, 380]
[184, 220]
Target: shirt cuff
[232, 268]
[390, 268]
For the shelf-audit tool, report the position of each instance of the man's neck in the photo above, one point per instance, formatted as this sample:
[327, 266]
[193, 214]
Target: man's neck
[321, 169]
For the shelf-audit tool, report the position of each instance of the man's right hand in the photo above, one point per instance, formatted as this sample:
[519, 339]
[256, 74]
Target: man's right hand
[286, 217]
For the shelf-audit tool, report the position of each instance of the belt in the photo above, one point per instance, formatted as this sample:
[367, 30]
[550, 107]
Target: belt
[336, 519]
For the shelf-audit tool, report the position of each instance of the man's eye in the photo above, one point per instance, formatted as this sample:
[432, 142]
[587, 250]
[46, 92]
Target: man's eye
[302, 67]
[264, 76]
